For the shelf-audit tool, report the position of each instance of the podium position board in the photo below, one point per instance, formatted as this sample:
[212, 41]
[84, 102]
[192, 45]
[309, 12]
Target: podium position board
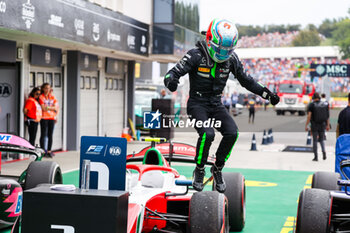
[108, 162]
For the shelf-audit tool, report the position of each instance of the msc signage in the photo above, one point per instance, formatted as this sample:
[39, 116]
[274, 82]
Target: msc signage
[331, 70]
[107, 157]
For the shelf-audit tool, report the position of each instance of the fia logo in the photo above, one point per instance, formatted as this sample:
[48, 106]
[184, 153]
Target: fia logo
[151, 120]
[65, 228]
[93, 149]
[115, 150]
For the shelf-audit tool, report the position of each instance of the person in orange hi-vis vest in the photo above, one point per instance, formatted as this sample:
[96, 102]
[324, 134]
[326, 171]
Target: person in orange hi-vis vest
[32, 112]
[49, 107]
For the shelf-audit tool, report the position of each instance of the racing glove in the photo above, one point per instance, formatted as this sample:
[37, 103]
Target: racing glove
[272, 97]
[171, 82]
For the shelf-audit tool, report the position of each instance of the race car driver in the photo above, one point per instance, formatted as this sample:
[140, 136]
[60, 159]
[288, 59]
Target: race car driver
[208, 66]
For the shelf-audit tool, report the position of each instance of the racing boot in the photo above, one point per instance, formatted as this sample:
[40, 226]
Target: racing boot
[220, 184]
[198, 176]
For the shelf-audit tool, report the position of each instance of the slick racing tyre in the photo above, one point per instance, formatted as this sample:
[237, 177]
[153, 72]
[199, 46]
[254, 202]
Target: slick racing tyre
[326, 180]
[42, 172]
[235, 194]
[314, 211]
[208, 212]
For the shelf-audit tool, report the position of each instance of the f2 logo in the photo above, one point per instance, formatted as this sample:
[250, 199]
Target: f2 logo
[103, 175]
[65, 228]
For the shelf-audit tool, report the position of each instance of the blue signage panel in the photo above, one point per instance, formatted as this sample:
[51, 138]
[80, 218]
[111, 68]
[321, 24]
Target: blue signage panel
[108, 162]
[331, 70]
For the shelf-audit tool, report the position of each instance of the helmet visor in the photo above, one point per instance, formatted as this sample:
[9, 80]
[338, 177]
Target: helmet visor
[221, 50]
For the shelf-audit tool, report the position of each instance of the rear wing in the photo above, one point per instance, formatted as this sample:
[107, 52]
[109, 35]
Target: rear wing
[181, 152]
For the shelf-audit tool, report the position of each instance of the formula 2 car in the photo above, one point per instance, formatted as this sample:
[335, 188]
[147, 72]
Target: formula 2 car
[11, 187]
[161, 200]
[325, 208]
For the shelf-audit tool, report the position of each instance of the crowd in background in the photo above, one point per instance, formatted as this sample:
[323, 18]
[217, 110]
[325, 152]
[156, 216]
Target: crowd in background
[266, 70]
[275, 39]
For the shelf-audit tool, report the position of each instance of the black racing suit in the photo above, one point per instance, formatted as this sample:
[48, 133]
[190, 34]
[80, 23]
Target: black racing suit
[207, 82]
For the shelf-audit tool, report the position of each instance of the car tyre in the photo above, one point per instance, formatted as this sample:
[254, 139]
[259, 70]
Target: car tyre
[42, 172]
[301, 113]
[313, 211]
[235, 194]
[326, 180]
[209, 212]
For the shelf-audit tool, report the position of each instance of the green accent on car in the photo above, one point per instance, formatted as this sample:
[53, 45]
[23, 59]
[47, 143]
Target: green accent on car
[138, 223]
[229, 154]
[261, 84]
[200, 153]
[158, 154]
[213, 70]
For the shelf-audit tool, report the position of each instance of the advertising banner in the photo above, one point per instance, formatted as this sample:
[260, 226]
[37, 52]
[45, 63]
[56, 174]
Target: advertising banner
[76, 20]
[331, 70]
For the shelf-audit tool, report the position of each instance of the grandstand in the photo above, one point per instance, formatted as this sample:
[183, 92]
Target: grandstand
[273, 64]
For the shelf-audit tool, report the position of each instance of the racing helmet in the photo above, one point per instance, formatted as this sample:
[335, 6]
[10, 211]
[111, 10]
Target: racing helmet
[221, 39]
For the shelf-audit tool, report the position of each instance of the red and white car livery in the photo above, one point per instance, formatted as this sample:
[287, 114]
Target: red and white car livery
[160, 199]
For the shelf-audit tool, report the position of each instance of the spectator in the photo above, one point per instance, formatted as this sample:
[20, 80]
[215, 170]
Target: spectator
[323, 97]
[343, 126]
[163, 94]
[49, 106]
[266, 102]
[318, 115]
[270, 39]
[251, 107]
[234, 99]
[227, 102]
[32, 114]
[245, 100]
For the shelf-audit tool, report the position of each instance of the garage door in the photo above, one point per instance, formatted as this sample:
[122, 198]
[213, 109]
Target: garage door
[113, 106]
[53, 76]
[8, 100]
[89, 103]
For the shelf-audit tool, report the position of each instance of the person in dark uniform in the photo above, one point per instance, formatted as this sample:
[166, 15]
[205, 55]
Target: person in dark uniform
[208, 66]
[343, 126]
[318, 115]
[251, 108]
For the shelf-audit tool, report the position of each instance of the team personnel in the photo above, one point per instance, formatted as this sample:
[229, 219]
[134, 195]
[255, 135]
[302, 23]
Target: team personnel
[318, 115]
[32, 112]
[343, 126]
[49, 107]
[251, 108]
[208, 66]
